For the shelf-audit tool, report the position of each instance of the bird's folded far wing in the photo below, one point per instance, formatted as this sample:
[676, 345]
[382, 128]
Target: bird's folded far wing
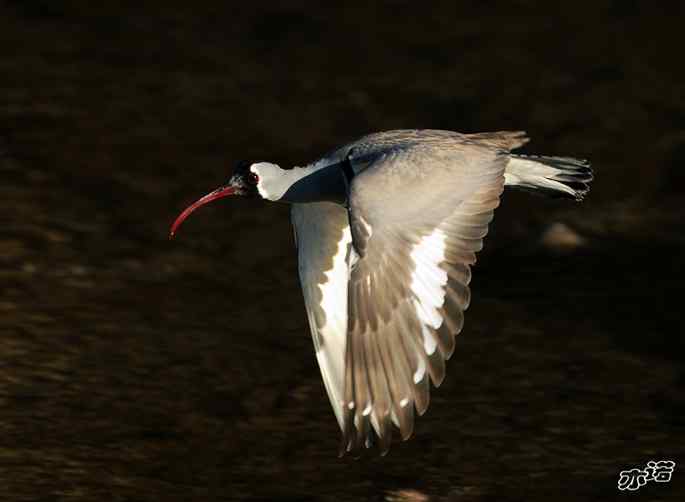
[323, 241]
[417, 219]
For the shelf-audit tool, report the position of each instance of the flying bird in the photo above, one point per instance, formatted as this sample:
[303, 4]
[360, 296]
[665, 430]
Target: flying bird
[387, 228]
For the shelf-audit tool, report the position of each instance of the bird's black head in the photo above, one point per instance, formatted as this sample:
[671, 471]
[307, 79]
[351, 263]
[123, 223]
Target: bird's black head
[244, 181]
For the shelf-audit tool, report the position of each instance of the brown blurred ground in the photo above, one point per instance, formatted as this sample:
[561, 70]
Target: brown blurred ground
[132, 368]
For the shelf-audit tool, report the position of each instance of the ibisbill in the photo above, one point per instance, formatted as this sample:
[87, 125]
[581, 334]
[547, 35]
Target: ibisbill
[387, 229]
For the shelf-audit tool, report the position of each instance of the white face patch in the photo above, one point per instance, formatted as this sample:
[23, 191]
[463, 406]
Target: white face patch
[266, 173]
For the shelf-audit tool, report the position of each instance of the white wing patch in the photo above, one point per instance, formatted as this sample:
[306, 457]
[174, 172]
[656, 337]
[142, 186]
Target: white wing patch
[428, 285]
[429, 343]
[331, 355]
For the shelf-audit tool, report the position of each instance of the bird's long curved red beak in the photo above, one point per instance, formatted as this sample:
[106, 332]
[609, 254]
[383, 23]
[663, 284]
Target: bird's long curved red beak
[216, 194]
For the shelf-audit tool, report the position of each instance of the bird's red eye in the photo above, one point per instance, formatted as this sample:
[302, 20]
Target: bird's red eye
[254, 179]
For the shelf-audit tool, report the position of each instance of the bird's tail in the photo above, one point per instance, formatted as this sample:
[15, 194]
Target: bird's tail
[552, 176]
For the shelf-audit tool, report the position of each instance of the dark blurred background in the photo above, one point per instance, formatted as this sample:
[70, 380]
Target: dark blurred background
[134, 368]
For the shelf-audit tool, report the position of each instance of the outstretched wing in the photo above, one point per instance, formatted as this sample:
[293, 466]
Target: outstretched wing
[417, 217]
[323, 240]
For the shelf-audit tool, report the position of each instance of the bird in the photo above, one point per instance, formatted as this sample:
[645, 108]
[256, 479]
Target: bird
[387, 228]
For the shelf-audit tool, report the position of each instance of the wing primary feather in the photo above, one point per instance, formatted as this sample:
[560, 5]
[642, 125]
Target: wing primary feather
[364, 398]
[453, 318]
[417, 357]
[458, 272]
[382, 398]
[459, 293]
[400, 391]
[436, 364]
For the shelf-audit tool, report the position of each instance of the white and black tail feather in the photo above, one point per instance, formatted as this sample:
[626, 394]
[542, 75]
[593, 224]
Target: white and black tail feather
[552, 176]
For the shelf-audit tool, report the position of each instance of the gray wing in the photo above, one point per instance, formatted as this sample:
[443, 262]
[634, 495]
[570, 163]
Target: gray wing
[323, 241]
[417, 217]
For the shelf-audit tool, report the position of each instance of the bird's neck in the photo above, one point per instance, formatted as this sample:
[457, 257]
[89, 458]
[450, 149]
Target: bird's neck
[317, 182]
